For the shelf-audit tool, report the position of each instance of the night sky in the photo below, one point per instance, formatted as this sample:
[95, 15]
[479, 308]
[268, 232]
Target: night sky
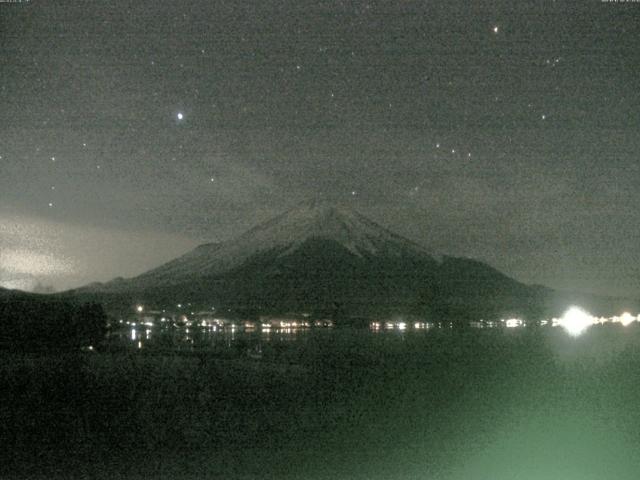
[132, 131]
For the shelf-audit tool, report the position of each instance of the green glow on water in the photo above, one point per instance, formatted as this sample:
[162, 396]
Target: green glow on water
[488, 405]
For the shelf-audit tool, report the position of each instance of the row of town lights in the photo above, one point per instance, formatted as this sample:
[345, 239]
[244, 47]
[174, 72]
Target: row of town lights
[575, 320]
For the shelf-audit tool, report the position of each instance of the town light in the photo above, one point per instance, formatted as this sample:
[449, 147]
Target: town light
[626, 318]
[575, 321]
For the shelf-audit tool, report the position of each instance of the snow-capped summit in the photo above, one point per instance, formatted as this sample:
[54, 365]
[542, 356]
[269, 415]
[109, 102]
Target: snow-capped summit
[323, 220]
[282, 235]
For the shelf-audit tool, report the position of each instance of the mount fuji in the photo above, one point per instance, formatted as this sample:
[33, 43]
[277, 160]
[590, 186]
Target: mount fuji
[283, 236]
[326, 260]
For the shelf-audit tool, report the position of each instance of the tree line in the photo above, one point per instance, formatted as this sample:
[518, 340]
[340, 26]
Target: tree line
[34, 323]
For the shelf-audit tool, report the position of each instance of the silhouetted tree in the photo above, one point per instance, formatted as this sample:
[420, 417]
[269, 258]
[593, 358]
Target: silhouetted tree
[32, 323]
[90, 324]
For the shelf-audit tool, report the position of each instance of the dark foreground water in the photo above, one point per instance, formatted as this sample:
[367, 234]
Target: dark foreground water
[330, 404]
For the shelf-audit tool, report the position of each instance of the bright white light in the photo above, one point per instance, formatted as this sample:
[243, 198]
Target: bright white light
[513, 323]
[139, 308]
[180, 116]
[626, 318]
[575, 321]
[495, 29]
[402, 326]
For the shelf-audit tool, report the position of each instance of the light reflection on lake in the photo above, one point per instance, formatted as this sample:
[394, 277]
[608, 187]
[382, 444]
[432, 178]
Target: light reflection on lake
[208, 337]
[249, 337]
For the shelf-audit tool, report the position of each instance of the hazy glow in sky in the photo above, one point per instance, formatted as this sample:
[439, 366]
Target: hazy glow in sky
[25, 262]
[35, 251]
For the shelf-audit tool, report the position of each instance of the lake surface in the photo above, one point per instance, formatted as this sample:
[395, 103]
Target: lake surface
[333, 403]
